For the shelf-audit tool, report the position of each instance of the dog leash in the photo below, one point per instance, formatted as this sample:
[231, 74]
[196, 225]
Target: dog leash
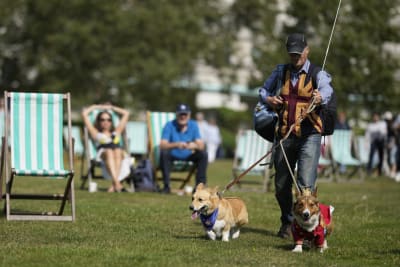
[301, 117]
[310, 108]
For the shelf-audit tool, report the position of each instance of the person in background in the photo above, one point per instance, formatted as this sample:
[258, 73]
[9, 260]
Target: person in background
[213, 140]
[390, 147]
[342, 123]
[107, 137]
[396, 128]
[302, 147]
[203, 125]
[376, 133]
[181, 140]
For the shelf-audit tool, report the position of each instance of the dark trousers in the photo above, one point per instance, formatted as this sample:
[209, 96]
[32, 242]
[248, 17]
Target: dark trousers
[199, 158]
[376, 145]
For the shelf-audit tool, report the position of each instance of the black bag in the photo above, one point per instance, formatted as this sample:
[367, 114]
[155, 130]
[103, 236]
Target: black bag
[264, 122]
[143, 177]
[328, 111]
[264, 118]
[328, 116]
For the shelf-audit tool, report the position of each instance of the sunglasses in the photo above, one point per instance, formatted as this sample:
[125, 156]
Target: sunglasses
[105, 119]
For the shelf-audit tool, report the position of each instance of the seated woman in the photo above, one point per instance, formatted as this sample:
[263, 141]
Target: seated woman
[108, 139]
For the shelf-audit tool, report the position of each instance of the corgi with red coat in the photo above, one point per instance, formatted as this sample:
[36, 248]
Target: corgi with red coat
[312, 221]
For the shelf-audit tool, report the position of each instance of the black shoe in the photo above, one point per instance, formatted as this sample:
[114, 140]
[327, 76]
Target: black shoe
[166, 190]
[122, 190]
[284, 231]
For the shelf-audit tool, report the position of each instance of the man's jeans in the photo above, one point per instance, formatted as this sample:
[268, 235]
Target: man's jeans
[305, 152]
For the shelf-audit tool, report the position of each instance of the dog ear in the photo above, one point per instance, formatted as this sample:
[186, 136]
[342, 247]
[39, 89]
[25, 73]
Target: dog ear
[199, 186]
[314, 193]
[296, 193]
[214, 191]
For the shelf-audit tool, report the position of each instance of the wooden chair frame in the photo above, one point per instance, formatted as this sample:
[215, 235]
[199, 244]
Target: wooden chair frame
[250, 147]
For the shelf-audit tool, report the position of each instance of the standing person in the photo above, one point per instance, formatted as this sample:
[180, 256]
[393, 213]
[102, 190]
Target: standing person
[180, 140]
[302, 147]
[213, 139]
[390, 147]
[396, 127]
[341, 123]
[107, 137]
[376, 135]
[203, 125]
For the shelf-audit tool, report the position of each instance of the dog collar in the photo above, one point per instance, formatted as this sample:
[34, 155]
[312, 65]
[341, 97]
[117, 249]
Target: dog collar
[209, 220]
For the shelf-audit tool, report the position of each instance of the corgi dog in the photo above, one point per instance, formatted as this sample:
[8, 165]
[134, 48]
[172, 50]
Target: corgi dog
[221, 217]
[312, 221]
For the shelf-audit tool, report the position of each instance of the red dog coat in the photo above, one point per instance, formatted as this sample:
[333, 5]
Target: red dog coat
[319, 233]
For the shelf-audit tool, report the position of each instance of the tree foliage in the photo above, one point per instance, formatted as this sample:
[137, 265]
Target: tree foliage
[137, 52]
[129, 50]
[362, 68]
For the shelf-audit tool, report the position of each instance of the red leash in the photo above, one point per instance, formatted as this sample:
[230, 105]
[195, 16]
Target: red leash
[302, 116]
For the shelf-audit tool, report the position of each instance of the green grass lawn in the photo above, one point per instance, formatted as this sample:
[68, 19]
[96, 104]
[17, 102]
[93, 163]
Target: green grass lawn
[150, 229]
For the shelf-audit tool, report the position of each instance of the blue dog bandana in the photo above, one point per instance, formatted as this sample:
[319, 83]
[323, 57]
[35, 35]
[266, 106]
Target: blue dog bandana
[209, 220]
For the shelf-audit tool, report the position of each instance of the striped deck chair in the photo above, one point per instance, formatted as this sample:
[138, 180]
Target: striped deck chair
[362, 149]
[250, 147]
[76, 135]
[341, 148]
[35, 127]
[90, 164]
[155, 124]
[325, 164]
[136, 133]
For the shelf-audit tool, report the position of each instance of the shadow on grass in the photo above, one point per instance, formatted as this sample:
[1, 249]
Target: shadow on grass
[286, 247]
[258, 231]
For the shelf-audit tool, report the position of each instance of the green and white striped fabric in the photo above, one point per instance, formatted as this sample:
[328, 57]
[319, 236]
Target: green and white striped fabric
[2, 122]
[362, 149]
[157, 122]
[36, 123]
[136, 132]
[250, 148]
[341, 148]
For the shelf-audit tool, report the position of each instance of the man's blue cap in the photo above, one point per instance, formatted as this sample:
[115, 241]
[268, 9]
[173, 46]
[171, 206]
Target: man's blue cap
[182, 109]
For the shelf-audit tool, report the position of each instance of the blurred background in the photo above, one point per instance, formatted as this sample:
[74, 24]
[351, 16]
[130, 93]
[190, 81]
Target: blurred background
[212, 54]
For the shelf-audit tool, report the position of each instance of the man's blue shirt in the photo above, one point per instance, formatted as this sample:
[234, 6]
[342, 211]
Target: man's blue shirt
[323, 82]
[172, 134]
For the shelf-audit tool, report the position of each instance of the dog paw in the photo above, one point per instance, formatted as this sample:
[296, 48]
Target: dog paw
[324, 247]
[211, 235]
[235, 234]
[325, 244]
[225, 236]
[298, 249]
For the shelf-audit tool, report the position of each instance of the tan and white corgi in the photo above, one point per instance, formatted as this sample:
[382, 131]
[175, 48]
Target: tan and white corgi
[221, 217]
[312, 221]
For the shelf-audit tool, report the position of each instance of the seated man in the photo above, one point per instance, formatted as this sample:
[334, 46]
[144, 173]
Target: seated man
[181, 140]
